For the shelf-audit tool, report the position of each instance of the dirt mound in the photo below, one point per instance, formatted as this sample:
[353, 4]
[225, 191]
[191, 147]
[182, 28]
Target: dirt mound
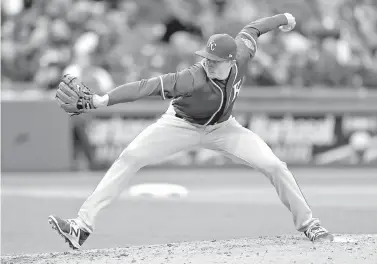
[280, 249]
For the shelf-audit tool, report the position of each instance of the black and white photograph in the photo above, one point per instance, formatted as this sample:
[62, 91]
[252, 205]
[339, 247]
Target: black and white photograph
[188, 131]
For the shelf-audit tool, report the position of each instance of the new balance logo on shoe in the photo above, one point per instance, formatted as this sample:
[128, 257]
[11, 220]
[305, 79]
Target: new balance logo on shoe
[75, 231]
[69, 230]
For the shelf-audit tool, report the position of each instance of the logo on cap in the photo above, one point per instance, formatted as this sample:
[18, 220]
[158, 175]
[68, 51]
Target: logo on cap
[212, 45]
[220, 47]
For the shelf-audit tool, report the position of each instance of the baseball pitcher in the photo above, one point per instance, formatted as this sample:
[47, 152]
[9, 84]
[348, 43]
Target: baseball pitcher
[200, 114]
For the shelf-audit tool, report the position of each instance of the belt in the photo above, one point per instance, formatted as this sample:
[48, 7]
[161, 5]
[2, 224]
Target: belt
[181, 117]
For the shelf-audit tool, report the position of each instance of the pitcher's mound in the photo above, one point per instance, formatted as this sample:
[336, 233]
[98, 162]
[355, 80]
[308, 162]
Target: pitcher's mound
[344, 249]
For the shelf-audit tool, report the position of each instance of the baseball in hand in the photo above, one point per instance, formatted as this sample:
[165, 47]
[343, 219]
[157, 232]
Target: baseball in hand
[291, 23]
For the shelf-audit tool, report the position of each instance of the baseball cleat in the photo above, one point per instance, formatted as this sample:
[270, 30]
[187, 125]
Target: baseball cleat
[69, 230]
[317, 233]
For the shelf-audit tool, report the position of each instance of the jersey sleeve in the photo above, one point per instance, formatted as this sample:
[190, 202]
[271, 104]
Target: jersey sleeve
[247, 38]
[247, 43]
[176, 84]
[167, 86]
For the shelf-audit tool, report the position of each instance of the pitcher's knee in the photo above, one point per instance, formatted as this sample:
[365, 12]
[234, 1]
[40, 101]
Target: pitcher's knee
[273, 167]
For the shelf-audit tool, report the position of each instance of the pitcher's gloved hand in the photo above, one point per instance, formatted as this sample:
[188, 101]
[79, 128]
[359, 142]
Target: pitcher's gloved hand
[74, 96]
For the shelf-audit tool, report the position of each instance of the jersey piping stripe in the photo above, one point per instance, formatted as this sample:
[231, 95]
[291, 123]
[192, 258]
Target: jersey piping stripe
[230, 97]
[162, 88]
[248, 35]
[222, 98]
[221, 104]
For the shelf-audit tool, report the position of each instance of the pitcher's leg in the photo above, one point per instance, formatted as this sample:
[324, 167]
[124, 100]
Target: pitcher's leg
[109, 188]
[160, 140]
[243, 145]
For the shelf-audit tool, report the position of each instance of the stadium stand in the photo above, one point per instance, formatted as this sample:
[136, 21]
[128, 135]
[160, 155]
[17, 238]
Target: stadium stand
[110, 42]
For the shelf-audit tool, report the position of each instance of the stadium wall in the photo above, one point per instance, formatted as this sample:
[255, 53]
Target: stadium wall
[35, 136]
[318, 127]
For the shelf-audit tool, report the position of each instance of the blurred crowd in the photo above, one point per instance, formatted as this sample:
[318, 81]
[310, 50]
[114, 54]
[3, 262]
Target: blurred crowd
[110, 42]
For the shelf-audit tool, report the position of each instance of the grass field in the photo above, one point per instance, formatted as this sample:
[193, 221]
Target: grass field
[220, 204]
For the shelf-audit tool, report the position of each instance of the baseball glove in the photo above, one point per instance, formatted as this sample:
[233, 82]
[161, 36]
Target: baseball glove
[74, 96]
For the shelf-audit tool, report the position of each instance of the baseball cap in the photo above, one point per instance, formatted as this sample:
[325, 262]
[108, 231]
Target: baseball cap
[220, 47]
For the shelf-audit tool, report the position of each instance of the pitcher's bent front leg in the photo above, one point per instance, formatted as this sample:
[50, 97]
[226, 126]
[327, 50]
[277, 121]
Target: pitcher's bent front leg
[167, 136]
[246, 147]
